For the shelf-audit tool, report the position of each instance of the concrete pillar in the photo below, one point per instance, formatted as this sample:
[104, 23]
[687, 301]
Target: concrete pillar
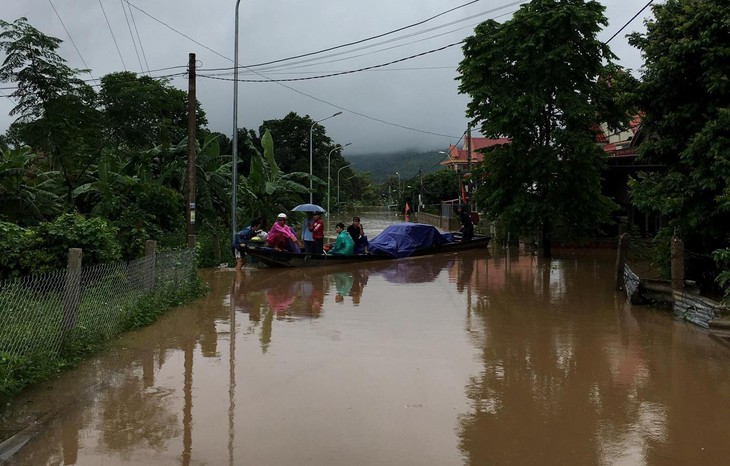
[150, 251]
[623, 248]
[72, 289]
[677, 264]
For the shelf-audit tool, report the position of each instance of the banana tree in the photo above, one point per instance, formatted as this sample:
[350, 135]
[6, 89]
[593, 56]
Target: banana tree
[267, 190]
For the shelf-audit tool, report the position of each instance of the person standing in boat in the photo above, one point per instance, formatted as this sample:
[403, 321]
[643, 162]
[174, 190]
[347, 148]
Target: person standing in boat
[317, 230]
[357, 232]
[344, 246]
[240, 240]
[307, 233]
[281, 236]
[467, 227]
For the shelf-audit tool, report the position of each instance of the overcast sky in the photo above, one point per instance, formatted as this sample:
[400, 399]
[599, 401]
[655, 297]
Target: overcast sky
[378, 105]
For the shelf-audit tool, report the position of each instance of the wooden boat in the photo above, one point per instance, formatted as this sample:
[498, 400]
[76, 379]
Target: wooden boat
[277, 258]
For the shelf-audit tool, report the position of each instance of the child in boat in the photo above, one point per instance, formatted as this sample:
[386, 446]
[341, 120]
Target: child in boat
[344, 246]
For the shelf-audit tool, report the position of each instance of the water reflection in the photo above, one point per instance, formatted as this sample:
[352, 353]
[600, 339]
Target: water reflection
[472, 358]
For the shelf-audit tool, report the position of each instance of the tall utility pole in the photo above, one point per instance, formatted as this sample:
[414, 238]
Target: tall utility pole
[234, 141]
[468, 161]
[191, 151]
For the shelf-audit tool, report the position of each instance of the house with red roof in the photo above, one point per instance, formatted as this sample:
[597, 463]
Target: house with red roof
[459, 159]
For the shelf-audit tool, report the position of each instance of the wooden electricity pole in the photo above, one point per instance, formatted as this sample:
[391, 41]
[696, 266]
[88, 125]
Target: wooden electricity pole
[190, 211]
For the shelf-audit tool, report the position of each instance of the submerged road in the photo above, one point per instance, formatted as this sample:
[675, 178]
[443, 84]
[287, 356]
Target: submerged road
[473, 358]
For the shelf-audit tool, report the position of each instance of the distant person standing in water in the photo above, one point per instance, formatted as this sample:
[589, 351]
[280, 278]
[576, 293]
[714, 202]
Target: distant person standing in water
[467, 227]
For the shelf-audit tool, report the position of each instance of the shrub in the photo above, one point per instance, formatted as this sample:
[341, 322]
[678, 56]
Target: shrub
[94, 235]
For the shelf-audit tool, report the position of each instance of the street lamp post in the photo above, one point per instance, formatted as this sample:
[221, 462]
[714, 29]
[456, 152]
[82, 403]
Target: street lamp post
[338, 184]
[398, 190]
[311, 193]
[234, 176]
[329, 176]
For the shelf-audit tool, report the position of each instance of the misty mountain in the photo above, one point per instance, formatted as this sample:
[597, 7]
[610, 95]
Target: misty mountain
[406, 163]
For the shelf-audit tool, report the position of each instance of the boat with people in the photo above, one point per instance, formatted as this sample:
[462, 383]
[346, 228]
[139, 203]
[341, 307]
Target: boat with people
[394, 242]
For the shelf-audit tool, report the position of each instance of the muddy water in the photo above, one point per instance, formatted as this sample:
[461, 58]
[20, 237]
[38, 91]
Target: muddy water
[477, 358]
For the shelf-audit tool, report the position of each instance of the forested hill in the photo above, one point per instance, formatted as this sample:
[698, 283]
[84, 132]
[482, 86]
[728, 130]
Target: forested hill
[406, 163]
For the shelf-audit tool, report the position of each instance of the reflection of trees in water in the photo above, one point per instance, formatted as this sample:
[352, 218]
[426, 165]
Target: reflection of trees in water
[547, 392]
[132, 416]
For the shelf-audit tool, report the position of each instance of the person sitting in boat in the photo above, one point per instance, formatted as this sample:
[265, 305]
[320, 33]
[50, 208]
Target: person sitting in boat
[357, 233]
[317, 229]
[344, 246]
[242, 238]
[467, 227]
[281, 236]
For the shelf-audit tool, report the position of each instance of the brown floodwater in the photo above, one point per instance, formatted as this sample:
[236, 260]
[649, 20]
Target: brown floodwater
[478, 358]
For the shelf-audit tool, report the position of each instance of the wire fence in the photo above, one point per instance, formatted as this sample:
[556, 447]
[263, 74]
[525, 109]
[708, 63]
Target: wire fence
[39, 313]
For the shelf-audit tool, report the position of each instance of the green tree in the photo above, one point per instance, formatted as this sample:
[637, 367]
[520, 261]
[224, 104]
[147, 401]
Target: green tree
[536, 79]
[142, 112]
[291, 134]
[57, 114]
[267, 188]
[685, 97]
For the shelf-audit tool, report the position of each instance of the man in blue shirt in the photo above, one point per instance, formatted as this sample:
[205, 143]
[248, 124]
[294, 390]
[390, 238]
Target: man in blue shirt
[240, 240]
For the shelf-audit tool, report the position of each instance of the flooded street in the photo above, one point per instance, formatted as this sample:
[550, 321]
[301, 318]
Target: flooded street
[476, 358]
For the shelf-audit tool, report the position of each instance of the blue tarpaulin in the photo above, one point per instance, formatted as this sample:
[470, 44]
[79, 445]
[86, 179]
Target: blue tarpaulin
[402, 239]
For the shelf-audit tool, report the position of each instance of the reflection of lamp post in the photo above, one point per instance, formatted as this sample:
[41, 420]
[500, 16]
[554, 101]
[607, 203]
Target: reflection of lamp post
[329, 176]
[234, 176]
[338, 184]
[310, 151]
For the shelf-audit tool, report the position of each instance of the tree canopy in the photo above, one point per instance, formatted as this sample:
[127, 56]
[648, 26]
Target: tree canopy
[685, 96]
[541, 79]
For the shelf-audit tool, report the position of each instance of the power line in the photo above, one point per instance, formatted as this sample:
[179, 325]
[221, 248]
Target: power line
[131, 5]
[112, 33]
[87, 69]
[309, 78]
[283, 68]
[329, 49]
[139, 39]
[629, 22]
[129, 26]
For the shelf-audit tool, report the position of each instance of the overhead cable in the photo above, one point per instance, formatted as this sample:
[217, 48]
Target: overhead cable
[87, 69]
[129, 26]
[124, 65]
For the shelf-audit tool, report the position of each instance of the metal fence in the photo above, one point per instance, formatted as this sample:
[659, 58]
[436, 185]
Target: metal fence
[39, 312]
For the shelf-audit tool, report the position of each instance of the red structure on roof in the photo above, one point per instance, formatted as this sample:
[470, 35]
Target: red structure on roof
[458, 159]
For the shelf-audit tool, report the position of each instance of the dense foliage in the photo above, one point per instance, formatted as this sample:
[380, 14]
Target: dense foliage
[537, 79]
[685, 97]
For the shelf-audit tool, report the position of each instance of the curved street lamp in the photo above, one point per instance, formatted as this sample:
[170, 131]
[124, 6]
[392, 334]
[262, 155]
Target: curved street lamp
[310, 152]
[329, 176]
[338, 183]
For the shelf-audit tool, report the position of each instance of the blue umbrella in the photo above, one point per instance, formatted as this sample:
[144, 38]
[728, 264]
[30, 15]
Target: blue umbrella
[308, 208]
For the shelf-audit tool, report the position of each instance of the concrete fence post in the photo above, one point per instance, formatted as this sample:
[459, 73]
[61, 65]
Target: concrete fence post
[150, 252]
[677, 264]
[72, 289]
[623, 249]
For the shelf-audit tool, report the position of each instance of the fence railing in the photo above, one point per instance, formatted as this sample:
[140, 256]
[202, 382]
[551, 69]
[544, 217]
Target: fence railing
[682, 295]
[39, 313]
